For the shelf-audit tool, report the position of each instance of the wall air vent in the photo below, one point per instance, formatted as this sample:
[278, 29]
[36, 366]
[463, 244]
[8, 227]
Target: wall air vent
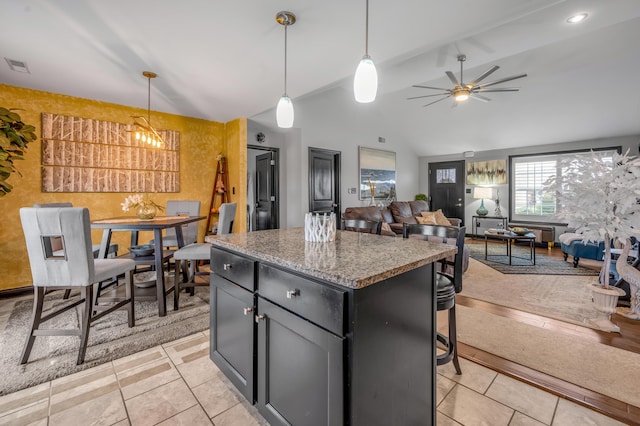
[18, 66]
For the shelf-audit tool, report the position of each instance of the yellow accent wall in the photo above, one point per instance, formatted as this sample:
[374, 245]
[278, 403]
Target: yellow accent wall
[200, 142]
[236, 149]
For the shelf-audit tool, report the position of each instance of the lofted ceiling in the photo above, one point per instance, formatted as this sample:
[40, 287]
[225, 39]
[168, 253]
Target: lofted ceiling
[222, 59]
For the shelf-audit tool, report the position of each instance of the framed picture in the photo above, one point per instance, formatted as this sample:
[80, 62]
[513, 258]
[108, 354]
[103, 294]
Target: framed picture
[487, 172]
[377, 173]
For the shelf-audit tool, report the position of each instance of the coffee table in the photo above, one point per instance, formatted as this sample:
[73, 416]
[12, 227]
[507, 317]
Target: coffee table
[509, 238]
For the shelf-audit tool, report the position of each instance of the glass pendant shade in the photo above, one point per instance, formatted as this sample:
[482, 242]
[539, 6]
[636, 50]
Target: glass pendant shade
[365, 83]
[284, 112]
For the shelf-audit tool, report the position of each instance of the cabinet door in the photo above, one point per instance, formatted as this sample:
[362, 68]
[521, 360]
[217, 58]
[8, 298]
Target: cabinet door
[232, 333]
[300, 370]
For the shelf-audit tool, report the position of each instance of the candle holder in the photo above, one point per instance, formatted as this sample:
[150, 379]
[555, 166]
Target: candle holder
[319, 227]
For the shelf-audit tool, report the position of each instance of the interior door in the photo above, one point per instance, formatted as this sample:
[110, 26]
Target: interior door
[265, 199]
[446, 188]
[324, 181]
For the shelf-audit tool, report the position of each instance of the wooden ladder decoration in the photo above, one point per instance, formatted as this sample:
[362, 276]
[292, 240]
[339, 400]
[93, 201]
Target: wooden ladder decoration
[219, 194]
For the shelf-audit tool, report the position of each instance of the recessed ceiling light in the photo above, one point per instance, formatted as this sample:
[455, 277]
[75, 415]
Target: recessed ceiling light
[577, 18]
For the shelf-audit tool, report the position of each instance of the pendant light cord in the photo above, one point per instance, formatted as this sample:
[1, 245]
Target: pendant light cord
[285, 57]
[366, 31]
[149, 100]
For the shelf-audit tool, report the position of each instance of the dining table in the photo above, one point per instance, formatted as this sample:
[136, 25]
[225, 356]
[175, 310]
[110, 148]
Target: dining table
[135, 225]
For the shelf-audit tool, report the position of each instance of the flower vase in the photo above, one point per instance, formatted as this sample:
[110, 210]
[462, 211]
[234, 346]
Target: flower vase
[146, 211]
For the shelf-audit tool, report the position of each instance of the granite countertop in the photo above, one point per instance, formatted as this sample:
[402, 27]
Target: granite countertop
[353, 260]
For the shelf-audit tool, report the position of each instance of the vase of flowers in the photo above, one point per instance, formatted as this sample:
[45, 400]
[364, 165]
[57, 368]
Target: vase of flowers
[145, 207]
[598, 197]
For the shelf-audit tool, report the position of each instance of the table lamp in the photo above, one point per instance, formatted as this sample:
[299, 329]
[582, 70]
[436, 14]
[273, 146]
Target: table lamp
[482, 193]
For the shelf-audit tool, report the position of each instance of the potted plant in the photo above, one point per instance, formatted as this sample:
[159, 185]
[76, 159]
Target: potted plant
[14, 137]
[598, 196]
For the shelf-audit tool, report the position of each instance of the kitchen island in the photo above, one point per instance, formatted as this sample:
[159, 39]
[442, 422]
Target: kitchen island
[327, 333]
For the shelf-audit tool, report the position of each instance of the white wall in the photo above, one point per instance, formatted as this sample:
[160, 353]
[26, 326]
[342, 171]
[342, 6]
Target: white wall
[333, 120]
[471, 205]
[289, 146]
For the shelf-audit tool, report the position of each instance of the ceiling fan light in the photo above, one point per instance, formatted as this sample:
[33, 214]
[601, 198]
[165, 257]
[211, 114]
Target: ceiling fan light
[577, 18]
[462, 96]
[284, 112]
[365, 82]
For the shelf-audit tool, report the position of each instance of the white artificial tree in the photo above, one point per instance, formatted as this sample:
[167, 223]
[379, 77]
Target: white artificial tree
[598, 197]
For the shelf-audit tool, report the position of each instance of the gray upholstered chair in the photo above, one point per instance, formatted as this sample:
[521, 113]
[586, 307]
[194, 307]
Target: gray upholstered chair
[190, 230]
[73, 266]
[195, 252]
[113, 248]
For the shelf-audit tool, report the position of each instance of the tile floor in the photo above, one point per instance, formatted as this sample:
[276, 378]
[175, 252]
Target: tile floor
[177, 384]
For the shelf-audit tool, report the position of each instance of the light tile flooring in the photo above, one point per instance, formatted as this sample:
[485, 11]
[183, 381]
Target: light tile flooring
[177, 384]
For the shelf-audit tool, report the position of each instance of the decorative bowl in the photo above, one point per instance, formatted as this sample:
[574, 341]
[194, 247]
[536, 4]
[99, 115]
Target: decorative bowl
[142, 250]
[519, 230]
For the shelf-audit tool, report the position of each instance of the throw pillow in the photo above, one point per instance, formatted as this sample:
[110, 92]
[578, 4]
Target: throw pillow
[427, 218]
[441, 219]
[387, 228]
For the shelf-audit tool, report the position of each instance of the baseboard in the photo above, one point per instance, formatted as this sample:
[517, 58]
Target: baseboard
[14, 292]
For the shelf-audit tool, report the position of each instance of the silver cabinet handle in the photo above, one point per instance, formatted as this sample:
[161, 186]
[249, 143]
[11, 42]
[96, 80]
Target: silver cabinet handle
[226, 266]
[247, 311]
[259, 318]
[293, 293]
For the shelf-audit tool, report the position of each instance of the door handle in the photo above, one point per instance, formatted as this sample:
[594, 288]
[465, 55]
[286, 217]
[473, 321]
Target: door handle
[334, 205]
[459, 205]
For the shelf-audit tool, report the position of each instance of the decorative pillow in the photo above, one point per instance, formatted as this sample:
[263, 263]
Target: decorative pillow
[427, 218]
[441, 219]
[386, 230]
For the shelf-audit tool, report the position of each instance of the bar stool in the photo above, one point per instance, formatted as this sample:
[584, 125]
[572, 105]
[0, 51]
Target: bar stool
[448, 282]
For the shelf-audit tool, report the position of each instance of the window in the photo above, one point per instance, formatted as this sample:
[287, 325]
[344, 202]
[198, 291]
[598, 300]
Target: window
[529, 201]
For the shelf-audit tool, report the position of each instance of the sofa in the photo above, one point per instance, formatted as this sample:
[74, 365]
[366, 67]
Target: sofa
[395, 215]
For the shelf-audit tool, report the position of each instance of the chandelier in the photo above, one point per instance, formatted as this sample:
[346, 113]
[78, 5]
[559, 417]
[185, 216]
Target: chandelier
[142, 126]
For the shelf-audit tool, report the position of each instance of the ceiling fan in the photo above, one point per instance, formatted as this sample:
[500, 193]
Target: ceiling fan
[463, 91]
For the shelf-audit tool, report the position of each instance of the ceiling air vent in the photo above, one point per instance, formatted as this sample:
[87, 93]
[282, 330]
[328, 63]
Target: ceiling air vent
[17, 66]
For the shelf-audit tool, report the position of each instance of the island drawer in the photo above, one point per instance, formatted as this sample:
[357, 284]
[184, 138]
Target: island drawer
[312, 300]
[233, 267]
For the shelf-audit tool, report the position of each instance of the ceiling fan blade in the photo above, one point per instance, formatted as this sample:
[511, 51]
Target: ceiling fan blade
[429, 87]
[505, 89]
[437, 101]
[483, 76]
[453, 78]
[479, 97]
[502, 80]
[428, 96]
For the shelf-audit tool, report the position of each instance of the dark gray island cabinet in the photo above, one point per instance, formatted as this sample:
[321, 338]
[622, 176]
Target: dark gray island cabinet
[338, 333]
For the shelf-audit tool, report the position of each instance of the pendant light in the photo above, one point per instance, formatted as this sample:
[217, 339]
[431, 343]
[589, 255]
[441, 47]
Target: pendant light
[142, 126]
[284, 111]
[365, 82]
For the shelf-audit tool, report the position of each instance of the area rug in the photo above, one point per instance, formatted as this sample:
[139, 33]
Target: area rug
[110, 337]
[521, 263]
[586, 363]
[563, 297]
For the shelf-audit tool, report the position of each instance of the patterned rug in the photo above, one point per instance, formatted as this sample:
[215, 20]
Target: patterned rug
[109, 338]
[521, 263]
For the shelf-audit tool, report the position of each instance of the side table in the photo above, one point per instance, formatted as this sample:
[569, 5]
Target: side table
[476, 223]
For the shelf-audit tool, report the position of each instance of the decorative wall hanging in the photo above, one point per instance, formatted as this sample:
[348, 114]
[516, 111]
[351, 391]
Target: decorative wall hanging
[377, 167]
[87, 155]
[492, 172]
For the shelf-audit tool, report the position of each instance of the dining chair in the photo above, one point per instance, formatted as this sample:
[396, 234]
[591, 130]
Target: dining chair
[113, 248]
[361, 225]
[190, 230]
[195, 252]
[71, 267]
[448, 281]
